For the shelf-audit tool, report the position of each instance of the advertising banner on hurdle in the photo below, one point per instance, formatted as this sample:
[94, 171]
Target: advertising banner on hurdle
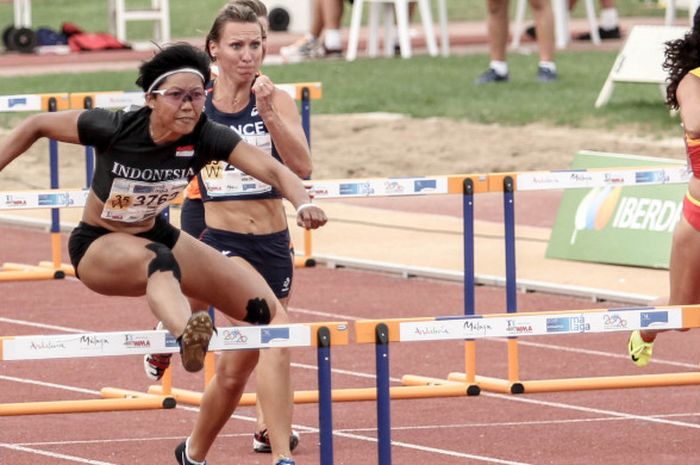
[532, 324]
[621, 222]
[42, 347]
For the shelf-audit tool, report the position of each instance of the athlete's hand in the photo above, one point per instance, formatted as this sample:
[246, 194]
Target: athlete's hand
[310, 216]
[263, 89]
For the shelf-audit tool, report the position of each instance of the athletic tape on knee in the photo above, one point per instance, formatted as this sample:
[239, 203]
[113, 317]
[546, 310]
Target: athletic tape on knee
[164, 260]
[257, 312]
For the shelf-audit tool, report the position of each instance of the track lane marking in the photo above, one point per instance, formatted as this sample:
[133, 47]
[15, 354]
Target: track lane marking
[345, 434]
[54, 455]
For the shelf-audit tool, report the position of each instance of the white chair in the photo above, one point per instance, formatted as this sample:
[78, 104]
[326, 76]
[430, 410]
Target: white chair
[23, 13]
[400, 7]
[159, 13]
[560, 9]
[670, 16]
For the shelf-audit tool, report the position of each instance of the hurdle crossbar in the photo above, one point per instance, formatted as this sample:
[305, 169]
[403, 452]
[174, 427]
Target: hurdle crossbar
[185, 396]
[532, 323]
[102, 344]
[386, 187]
[405, 186]
[582, 384]
[540, 324]
[105, 344]
[28, 274]
[151, 402]
[337, 333]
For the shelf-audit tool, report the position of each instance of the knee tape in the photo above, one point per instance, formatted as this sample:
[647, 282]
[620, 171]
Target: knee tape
[257, 312]
[164, 260]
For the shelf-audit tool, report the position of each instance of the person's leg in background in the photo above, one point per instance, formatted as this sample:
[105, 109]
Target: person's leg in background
[497, 22]
[608, 22]
[332, 12]
[544, 22]
[308, 46]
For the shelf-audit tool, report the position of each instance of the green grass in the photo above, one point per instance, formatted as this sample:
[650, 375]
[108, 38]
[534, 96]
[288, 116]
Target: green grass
[193, 18]
[443, 87]
[420, 87]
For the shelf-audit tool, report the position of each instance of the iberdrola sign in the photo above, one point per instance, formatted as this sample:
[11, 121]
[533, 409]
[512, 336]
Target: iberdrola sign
[625, 225]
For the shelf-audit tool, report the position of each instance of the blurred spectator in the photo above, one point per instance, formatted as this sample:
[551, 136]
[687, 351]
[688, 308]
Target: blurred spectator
[608, 24]
[608, 27]
[498, 38]
[324, 38]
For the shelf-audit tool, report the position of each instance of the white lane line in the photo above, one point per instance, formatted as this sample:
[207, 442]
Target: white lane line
[50, 385]
[40, 325]
[485, 425]
[619, 415]
[656, 361]
[54, 455]
[512, 423]
[345, 434]
[612, 413]
[433, 450]
[344, 372]
[334, 316]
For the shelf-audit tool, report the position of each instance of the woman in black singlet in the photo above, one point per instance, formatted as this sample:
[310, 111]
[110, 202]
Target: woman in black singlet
[123, 247]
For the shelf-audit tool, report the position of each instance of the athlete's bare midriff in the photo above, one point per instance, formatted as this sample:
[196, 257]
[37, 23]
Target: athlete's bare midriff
[247, 216]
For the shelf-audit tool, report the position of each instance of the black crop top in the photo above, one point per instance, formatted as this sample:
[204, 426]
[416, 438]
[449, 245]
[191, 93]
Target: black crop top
[128, 162]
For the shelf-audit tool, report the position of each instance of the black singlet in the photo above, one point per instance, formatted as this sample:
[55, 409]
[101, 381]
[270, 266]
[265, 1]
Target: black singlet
[129, 164]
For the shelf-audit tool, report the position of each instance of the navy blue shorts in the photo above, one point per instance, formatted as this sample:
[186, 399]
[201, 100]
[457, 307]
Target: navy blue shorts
[270, 254]
[192, 217]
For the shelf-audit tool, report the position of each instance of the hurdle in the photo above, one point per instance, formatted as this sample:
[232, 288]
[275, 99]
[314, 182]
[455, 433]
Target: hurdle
[130, 343]
[383, 332]
[51, 103]
[303, 92]
[563, 180]
[337, 333]
[506, 183]
[322, 335]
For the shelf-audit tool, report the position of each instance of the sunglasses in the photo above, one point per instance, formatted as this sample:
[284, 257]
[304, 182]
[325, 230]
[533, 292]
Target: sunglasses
[177, 96]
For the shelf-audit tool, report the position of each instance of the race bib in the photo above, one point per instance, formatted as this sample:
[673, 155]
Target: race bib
[224, 180]
[134, 201]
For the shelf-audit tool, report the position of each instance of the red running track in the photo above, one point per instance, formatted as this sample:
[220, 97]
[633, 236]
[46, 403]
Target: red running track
[634, 426]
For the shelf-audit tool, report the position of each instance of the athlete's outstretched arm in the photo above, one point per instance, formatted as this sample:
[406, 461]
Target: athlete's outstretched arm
[255, 162]
[61, 126]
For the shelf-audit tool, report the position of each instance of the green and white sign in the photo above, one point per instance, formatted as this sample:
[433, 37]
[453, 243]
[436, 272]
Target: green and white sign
[624, 225]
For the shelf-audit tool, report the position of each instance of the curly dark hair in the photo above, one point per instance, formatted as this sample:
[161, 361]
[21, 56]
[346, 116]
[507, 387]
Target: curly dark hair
[682, 55]
[172, 57]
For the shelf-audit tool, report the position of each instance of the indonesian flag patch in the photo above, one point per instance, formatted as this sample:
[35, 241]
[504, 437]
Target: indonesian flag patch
[185, 151]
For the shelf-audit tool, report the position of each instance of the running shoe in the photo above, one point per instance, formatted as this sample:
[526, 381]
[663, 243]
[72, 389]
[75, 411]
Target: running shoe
[306, 48]
[605, 34]
[285, 461]
[155, 364]
[181, 455]
[639, 349]
[490, 75]
[546, 74]
[261, 441]
[194, 341]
